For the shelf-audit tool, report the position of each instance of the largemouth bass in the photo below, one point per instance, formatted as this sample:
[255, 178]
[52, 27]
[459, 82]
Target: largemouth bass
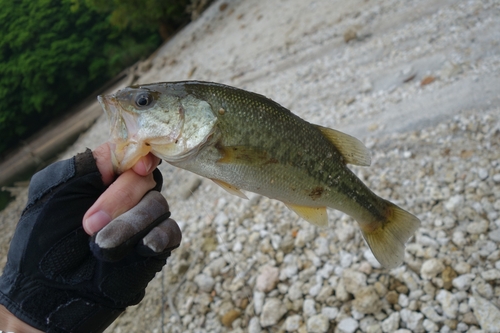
[245, 141]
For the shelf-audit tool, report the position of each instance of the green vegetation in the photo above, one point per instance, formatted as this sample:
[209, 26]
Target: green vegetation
[53, 53]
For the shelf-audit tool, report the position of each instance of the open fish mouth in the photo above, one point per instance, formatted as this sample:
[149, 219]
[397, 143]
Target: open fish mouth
[126, 149]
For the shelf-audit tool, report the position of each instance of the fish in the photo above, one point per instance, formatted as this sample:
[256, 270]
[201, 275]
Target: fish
[245, 141]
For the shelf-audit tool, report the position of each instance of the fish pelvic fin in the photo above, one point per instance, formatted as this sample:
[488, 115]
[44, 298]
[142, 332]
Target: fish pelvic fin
[387, 238]
[315, 215]
[352, 150]
[230, 188]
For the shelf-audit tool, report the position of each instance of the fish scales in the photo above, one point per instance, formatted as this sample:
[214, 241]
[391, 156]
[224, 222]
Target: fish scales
[245, 141]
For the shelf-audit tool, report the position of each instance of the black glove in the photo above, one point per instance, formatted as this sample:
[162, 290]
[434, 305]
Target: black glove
[53, 281]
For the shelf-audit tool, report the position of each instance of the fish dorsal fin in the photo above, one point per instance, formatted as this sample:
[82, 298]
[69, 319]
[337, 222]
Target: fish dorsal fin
[315, 215]
[353, 150]
[230, 188]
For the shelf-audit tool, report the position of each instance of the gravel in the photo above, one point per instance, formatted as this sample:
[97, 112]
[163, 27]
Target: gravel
[417, 82]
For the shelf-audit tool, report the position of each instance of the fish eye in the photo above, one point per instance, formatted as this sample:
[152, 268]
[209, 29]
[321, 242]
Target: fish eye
[143, 99]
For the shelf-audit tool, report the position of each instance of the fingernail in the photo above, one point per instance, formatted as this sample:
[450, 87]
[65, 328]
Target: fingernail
[147, 164]
[96, 222]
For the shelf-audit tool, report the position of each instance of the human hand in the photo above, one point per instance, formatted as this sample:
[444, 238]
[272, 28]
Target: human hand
[52, 280]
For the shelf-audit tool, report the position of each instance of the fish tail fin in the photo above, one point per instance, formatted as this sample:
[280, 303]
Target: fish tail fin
[387, 238]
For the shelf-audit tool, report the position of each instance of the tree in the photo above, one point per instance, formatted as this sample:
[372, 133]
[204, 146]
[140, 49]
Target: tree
[52, 54]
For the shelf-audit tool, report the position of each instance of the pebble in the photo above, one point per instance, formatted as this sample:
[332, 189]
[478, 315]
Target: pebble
[478, 227]
[267, 279]
[272, 312]
[309, 307]
[431, 268]
[353, 280]
[204, 282]
[412, 319]
[292, 323]
[254, 325]
[391, 323]
[486, 314]
[329, 312]
[366, 300]
[258, 301]
[348, 325]
[463, 282]
[318, 324]
[448, 302]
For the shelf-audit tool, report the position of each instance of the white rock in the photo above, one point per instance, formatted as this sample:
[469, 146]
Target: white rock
[345, 259]
[329, 312]
[272, 312]
[492, 274]
[368, 255]
[478, 227]
[204, 282]
[309, 307]
[318, 324]
[322, 246]
[254, 325]
[366, 300]
[304, 236]
[431, 268]
[348, 325]
[295, 291]
[267, 279]
[391, 323]
[258, 301]
[496, 178]
[292, 323]
[463, 282]
[487, 315]
[454, 202]
[448, 302]
[431, 313]
[412, 319]
[495, 235]
[353, 280]
[482, 173]
[430, 326]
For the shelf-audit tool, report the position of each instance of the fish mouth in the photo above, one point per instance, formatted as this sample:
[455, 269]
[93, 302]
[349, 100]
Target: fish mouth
[126, 149]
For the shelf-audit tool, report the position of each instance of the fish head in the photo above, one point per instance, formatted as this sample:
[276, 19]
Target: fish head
[155, 118]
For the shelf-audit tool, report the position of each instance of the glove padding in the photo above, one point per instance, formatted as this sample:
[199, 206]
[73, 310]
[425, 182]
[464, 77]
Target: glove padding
[52, 279]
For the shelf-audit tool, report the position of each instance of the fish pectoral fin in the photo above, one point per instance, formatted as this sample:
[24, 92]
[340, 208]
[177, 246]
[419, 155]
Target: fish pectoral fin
[230, 188]
[315, 215]
[353, 150]
[387, 238]
[242, 155]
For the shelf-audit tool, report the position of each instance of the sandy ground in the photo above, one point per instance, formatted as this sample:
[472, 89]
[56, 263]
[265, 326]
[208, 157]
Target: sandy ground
[407, 78]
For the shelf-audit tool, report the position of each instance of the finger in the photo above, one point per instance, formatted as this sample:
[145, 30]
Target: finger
[166, 235]
[120, 196]
[146, 164]
[121, 235]
[102, 156]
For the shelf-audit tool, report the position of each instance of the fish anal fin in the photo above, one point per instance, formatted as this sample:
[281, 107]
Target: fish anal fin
[387, 238]
[243, 155]
[315, 215]
[353, 150]
[230, 188]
